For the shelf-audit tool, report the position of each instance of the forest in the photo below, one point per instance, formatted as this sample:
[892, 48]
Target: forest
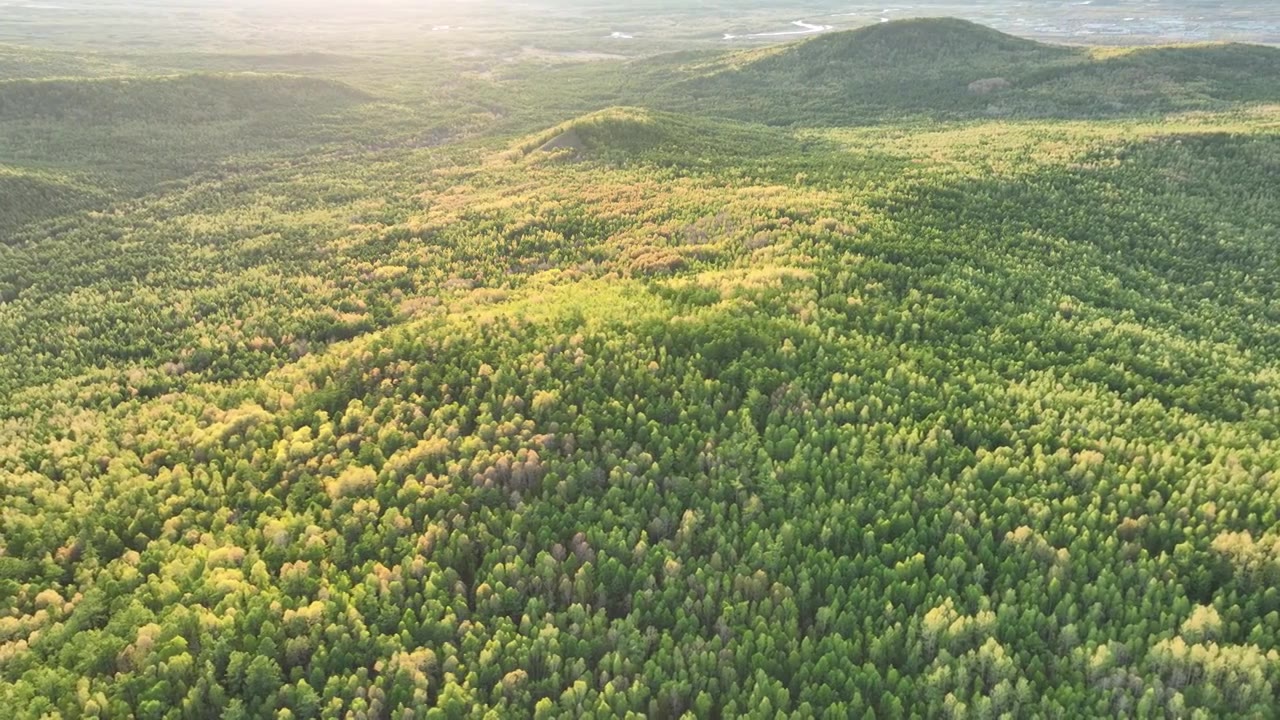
[911, 371]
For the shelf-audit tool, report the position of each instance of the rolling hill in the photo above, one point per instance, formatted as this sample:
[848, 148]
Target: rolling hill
[952, 69]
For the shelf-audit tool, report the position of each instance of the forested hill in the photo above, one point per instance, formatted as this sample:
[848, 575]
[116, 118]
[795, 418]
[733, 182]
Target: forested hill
[952, 69]
[515, 394]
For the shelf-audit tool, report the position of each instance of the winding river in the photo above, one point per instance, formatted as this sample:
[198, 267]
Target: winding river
[805, 29]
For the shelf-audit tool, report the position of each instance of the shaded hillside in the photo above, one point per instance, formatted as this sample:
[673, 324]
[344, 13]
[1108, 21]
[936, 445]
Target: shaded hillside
[1151, 80]
[125, 135]
[22, 62]
[947, 68]
[26, 196]
[181, 98]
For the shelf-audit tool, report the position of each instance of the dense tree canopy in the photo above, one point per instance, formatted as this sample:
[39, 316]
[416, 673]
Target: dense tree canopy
[651, 415]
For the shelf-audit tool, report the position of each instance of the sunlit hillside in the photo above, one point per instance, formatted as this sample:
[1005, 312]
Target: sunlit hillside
[913, 371]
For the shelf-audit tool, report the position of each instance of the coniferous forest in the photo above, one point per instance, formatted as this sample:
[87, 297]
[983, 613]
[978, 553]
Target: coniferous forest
[910, 371]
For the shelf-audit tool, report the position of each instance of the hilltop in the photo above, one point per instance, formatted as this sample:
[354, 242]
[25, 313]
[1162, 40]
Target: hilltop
[948, 68]
[615, 130]
[628, 134]
[916, 46]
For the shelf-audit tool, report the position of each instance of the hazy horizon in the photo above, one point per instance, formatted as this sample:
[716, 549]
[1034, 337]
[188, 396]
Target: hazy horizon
[594, 25]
